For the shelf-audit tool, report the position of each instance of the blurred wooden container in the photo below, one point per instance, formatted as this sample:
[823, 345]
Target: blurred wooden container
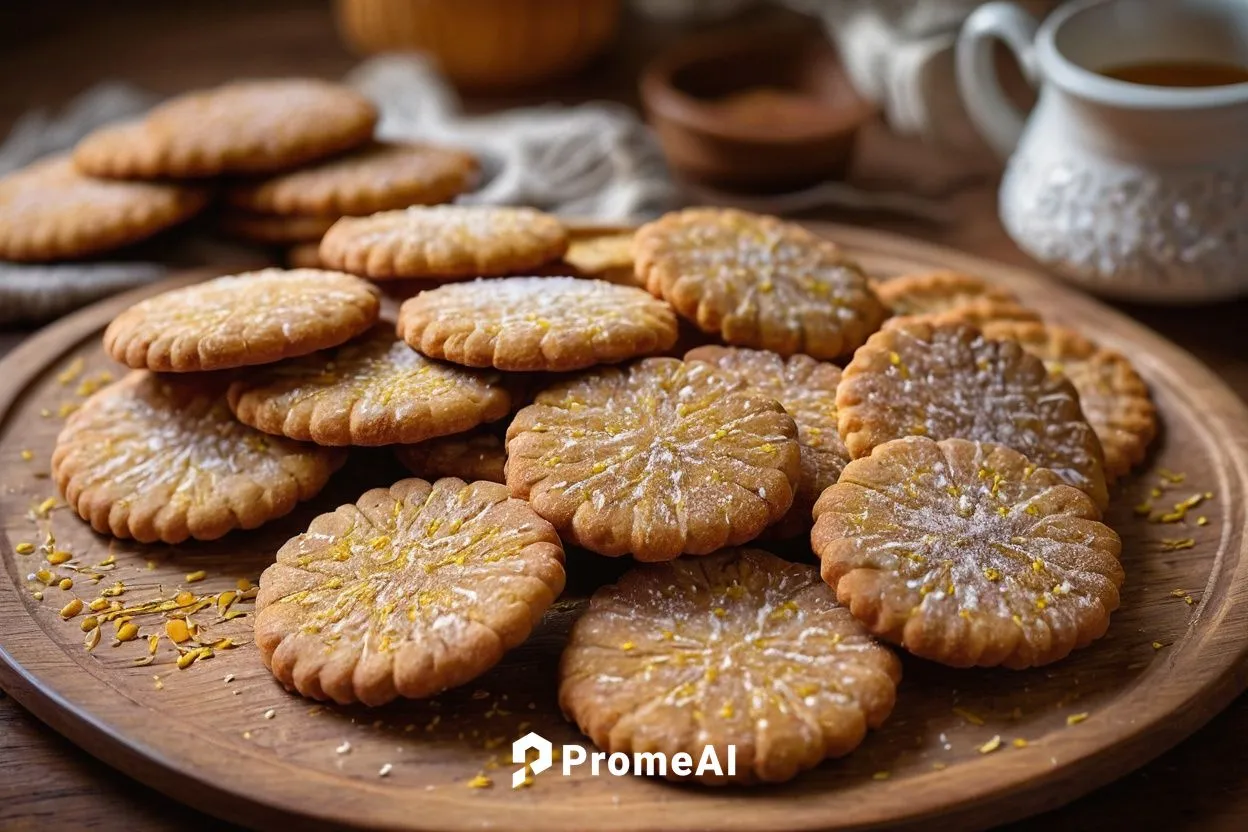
[485, 44]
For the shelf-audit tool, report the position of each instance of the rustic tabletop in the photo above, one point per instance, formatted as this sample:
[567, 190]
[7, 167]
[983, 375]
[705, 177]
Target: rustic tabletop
[59, 49]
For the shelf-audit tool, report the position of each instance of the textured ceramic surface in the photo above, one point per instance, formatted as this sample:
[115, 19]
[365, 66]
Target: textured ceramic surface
[1134, 191]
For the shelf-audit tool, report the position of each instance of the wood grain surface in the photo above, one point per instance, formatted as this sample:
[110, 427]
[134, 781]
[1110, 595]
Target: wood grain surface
[209, 742]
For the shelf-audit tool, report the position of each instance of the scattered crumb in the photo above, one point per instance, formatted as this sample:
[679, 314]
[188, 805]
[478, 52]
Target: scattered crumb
[1075, 719]
[1019, 742]
[881, 775]
[345, 748]
[270, 713]
[480, 782]
[385, 770]
[991, 746]
[229, 678]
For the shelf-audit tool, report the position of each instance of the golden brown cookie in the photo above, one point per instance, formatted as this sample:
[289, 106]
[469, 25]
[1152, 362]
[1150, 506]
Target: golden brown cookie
[758, 281]
[446, 242]
[273, 230]
[606, 257]
[241, 320]
[414, 589]
[656, 459]
[967, 554]
[49, 211]
[739, 648]
[807, 390]
[161, 458]
[537, 323]
[951, 297]
[375, 390]
[247, 127]
[476, 455]
[1113, 397]
[946, 381]
[380, 176]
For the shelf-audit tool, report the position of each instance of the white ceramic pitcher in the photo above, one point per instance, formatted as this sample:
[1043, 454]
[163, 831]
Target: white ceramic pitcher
[1138, 192]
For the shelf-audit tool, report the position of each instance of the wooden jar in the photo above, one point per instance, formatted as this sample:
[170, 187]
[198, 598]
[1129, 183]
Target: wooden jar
[485, 44]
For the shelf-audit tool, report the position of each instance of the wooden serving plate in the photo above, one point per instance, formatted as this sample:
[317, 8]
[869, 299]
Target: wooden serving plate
[249, 752]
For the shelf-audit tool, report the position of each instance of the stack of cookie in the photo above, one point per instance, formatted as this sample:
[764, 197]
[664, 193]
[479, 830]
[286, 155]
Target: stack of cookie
[292, 156]
[954, 471]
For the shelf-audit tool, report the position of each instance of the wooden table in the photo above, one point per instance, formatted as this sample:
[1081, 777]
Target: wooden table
[45, 780]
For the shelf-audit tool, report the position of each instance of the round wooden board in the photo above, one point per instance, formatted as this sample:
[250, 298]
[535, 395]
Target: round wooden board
[215, 745]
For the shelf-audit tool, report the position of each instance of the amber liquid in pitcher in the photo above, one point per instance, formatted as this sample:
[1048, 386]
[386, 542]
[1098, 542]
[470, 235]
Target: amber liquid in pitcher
[1179, 73]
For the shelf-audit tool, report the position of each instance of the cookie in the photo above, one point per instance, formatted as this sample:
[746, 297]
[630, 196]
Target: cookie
[968, 554]
[240, 320]
[606, 257]
[656, 459]
[739, 648]
[375, 390]
[948, 381]
[274, 230]
[537, 323]
[951, 297]
[446, 242]
[380, 176]
[161, 458]
[807, 390]
[758, 281]
[472, 456]
[49, 211]
[248, 127]
[1113, 397]
[413, 590]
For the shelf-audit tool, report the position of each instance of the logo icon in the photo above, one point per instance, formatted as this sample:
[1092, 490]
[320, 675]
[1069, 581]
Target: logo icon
[520, 755]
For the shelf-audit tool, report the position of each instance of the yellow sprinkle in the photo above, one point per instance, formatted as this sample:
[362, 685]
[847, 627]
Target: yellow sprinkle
[70, 371]
[881, 775]
[1156, 492]
[628, 645]
[1157, 645]
[970, 717]
[991, 746]
[196, 576]
[44, 577]
[1041, 603]
[177, 630]
[1202, 520]
[47, 505]
[98, 605]
[727, 711]
[1037, 566]
[188, 658]
[768, 448]
[480, 782]
[719, 612]
[89, 623]
[1144, 509]
[1170, 476]
[71, 609]
[992, 573]
[24, 548]
[57, 558]
[939, 766]
[27, 456]
[243, 584]
[1019, 742]
[128, 631]
[668, 635]
[1177, 544]
[1075, 719]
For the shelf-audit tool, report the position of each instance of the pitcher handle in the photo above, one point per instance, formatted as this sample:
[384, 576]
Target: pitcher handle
[994, 115]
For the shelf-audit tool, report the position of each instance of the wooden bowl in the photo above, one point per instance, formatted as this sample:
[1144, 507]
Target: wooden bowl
[485, 44]
[755, 112]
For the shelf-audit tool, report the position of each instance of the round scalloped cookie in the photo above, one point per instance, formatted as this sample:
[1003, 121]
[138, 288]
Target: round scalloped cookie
[537, 323]
[50, 211]
[444, 242]
[738, 648]
[951, 297]
[381, 176]
[412, 590]
[375, 390]
[807, 390]
[1112, 395]
[245, 127]
[475, 455]
[967, 554]
[241, 320]
[758, 281]
[944, 381]
[161, 458]
[656, 459]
